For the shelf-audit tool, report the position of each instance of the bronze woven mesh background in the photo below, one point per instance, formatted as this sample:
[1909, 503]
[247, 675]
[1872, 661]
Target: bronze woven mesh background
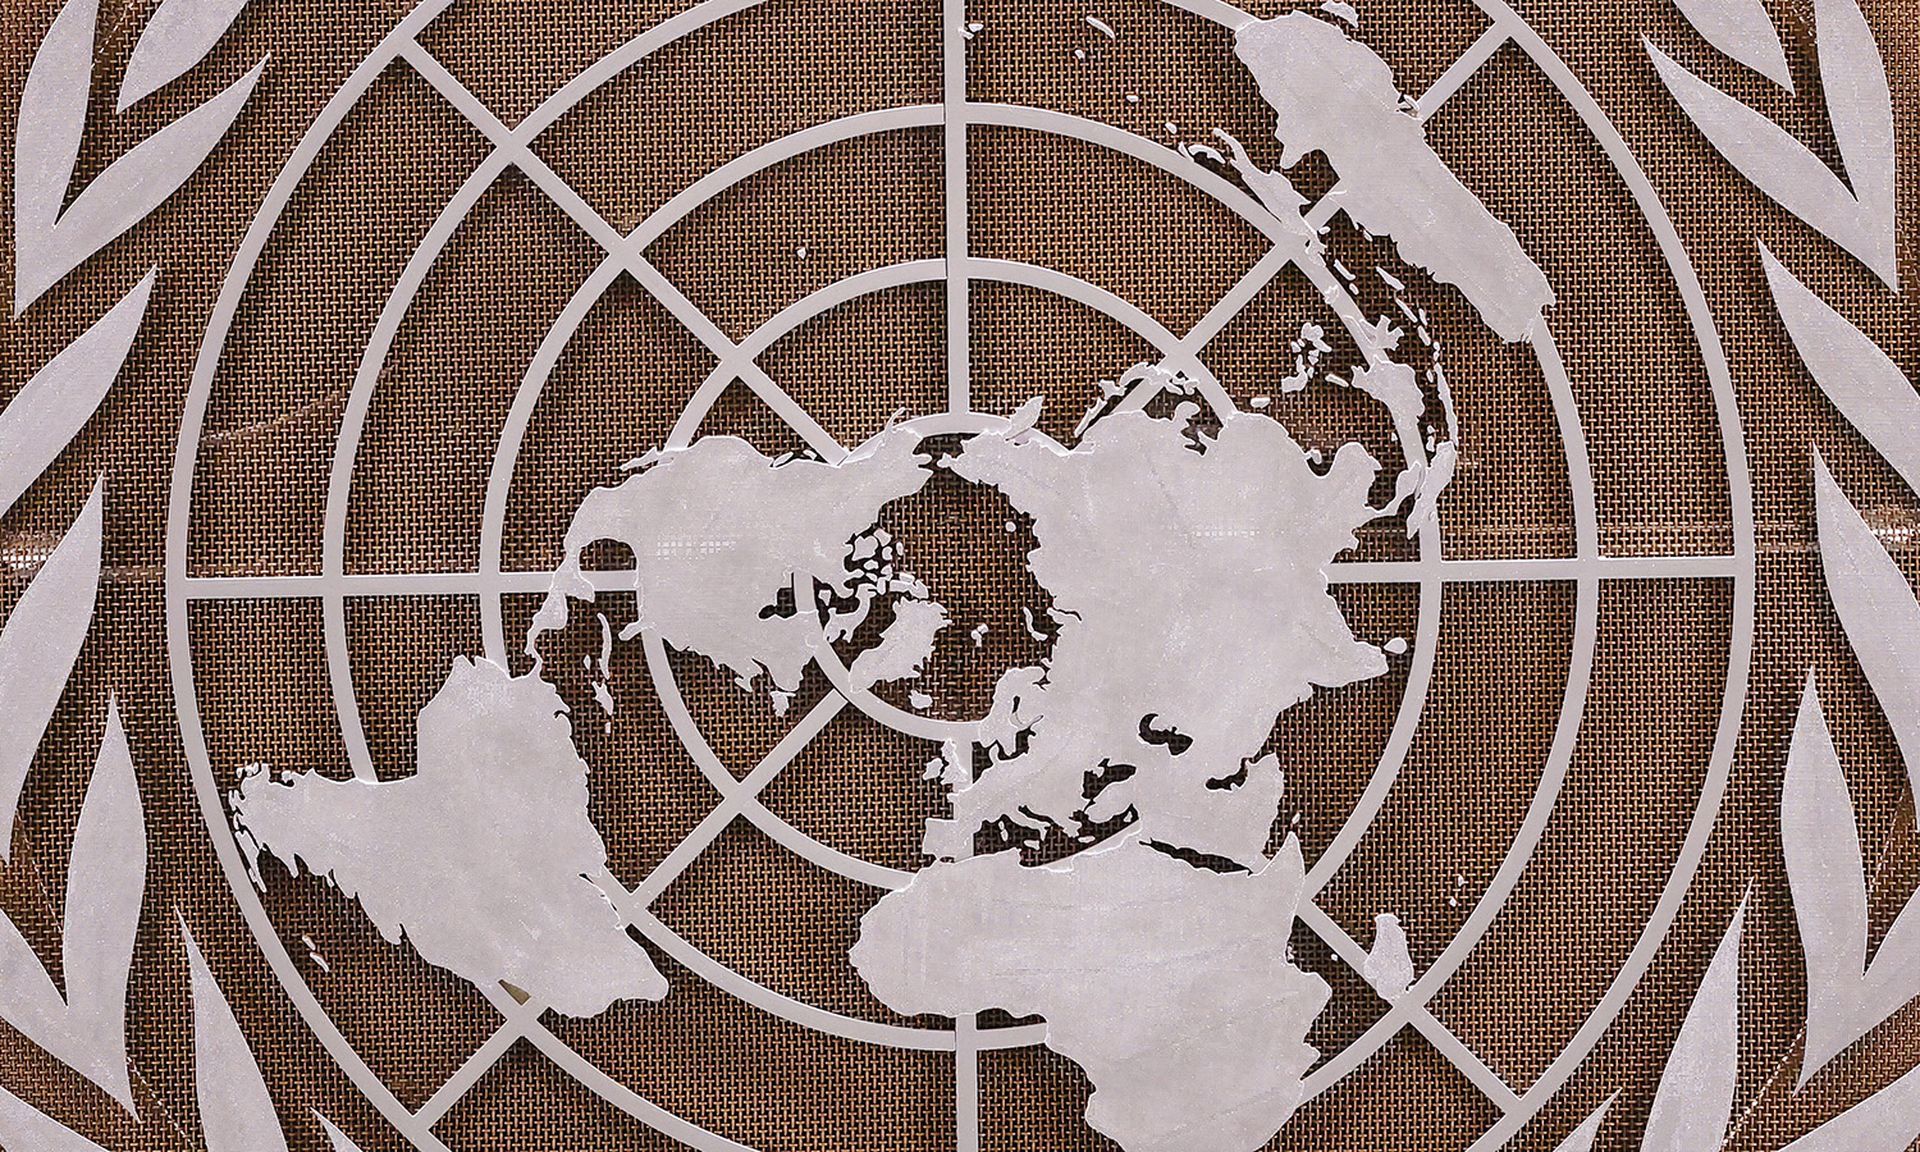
[442, 398]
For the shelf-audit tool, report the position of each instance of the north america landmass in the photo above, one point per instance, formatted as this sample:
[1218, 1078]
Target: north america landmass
[1188, 575]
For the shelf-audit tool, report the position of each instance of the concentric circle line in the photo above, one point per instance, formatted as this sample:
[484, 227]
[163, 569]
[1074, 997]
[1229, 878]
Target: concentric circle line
[1443, 1039]
[1412, 1004]
[626, 254]
[632, 904]
[1044, 279]
[179, 514]
[1573, 697]
[1093, 297]
[818, 302]
[735, 794]
[415, 1130]
[346, 450]
[880, 711]
[493, 509]
[1430, 102]
[1740, 647]
[516, 144]
[821, 300]
[525, 1018]
[778, 1004]
[1406, 723]
[820, 1020]
[539, 371]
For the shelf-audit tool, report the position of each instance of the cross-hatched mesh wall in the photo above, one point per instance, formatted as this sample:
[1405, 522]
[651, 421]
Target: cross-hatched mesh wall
[1494, 659]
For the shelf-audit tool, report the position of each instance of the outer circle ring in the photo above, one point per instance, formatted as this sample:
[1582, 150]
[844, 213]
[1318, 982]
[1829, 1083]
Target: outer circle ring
[396, 45]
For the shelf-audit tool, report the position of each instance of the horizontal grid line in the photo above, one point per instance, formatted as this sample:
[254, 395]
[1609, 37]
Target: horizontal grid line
[375, 584]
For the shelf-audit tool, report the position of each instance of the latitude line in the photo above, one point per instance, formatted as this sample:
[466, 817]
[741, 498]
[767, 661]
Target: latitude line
[1711, 566]
[477, 1065]
[1647, 200]
[751, 383]
[667, 690]
[389, 51]
[517, 149]
[733, 800]
[514, 145]
[1407, 1010]
[521, 1017]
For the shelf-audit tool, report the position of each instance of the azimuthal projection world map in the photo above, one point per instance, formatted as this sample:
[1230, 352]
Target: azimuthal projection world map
[1183, 549]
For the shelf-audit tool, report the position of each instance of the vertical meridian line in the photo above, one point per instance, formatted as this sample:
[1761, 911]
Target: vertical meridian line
[954, 92]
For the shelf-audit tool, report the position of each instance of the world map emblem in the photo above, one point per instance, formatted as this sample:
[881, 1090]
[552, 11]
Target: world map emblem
[1101, 851]
[1147, 578]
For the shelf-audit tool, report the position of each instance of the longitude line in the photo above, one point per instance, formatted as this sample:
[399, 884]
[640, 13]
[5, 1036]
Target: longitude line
[954, 92]
[953, 35]
[521, 154]
[1444, 1040]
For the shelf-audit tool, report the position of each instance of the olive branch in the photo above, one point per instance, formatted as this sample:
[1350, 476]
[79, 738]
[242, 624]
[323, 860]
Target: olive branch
[41, 639]
[1848, 995]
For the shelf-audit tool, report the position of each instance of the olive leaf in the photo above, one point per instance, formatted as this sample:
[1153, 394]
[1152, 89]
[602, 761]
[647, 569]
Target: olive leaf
[1862, 381]
[1853, 79]
[335, 1137]
[1846, 997]
[178, 36]
[1694, 1102]
[1696, 1095]
[1887, 1121]
[39, 644]
[49, 243]
[1581, 1139]
[51, 408]
[1742, 30]
[236, 1113]
[86, 1029]
[26, 1127]
[1877, 612]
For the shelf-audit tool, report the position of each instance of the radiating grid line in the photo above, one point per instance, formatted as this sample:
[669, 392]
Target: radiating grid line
[1444, 89]
[517, 146]
[1699, 315]
[718, 343]
[356, 87]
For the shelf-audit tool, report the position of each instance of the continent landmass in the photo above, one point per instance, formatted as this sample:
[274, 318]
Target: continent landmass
[486, 860]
